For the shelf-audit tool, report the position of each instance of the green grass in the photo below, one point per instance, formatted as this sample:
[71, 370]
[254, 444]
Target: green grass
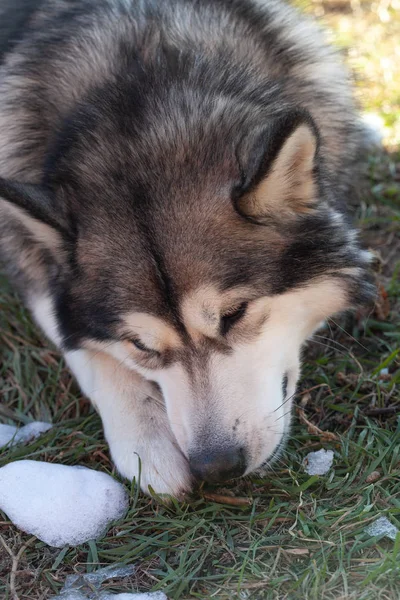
[301, 537]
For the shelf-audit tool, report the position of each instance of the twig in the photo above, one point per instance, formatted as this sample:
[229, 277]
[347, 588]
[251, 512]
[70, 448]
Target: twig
[251, 586]
[15, 561]
[227, 499]
[374, 412]
[314, 430]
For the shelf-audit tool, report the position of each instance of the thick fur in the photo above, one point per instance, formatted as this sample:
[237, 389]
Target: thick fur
[167, 164]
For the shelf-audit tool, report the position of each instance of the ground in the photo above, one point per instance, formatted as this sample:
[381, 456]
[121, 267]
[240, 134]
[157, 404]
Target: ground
[299, 536]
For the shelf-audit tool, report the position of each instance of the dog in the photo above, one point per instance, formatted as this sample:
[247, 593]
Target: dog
[175, 177]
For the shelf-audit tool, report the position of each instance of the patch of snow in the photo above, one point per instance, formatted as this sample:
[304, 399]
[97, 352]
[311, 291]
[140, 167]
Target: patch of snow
[86, 586]
[318, 463]
[59, 504]
[31, 431]
[382, 526]
[27, 433]
[374, 128]
[96, 578]
[77, 595]
[70, 595]
[7, 433]
[145, 596]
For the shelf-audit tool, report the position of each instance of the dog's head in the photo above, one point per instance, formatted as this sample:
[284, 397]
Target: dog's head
[202, 255]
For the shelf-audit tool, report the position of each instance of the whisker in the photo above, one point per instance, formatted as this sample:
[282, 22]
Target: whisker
[282, 416]
[285, 401]
[349, 334]
[335, 344]
[302, 392]
[348, 354]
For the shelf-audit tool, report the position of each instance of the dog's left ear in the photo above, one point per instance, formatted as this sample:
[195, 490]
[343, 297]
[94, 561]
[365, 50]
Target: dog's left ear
[281, 178]
[35, 209]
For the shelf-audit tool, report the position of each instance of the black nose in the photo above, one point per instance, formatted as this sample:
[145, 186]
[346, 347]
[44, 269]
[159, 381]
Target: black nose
[216, 466]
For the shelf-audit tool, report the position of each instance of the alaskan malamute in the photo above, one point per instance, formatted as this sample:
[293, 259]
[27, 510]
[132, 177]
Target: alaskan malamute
[175, 176]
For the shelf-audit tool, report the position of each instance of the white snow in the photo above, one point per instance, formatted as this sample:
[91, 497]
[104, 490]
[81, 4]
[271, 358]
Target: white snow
[27, 433]
[374, 128]
[382, 526]
[96, 578]
[59, 504]
[77, 595]
[319, 463]
[145, 596]
[7, 433]
[70, 595]
[86, 586]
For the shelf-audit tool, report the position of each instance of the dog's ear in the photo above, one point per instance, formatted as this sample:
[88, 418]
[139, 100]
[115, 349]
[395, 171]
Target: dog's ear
[34, 208]
[282, 179]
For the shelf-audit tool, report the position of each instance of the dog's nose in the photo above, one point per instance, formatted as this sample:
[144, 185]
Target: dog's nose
[216, 466]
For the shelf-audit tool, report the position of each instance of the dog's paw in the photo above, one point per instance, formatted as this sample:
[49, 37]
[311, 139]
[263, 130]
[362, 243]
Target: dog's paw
[136, 425]
[157, 463]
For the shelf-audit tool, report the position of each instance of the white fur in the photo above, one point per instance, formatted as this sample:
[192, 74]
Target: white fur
[43, 312]
[133, 415]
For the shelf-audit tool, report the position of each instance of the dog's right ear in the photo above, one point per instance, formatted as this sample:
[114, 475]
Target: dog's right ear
[34, 208]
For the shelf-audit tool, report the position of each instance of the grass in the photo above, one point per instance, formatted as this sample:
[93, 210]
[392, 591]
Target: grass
[301, 537]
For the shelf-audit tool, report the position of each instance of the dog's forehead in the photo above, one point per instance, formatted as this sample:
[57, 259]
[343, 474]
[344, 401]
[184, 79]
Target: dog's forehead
[171, 245]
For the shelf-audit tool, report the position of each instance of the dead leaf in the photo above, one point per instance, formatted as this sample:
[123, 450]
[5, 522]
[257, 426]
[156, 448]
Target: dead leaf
[374, 476]
[385, 377]
[233, 501]
[305, 399]
[265, 522]
[347, 379]
[382, 304]
[298, 551]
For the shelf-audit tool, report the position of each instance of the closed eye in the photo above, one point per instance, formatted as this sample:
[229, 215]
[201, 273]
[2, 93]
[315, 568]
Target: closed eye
[140, 346]
[228, 320]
